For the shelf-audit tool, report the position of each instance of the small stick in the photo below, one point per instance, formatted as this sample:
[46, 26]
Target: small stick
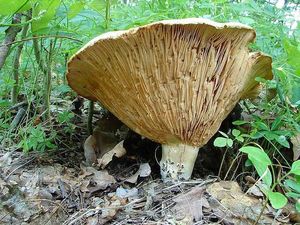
[62, 188]
[20, 115]
[20, 104]
[90, 118]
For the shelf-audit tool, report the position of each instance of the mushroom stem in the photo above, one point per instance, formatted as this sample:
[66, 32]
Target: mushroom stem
[178, 161]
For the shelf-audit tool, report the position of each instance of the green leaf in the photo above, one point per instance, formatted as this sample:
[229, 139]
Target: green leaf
[260, 161]
[223, 134]
[296, 168]
[295, 91]
[297, 206]
[220, 142]
[297, 178]
[276, 124]
[4, 103]
[293, 53]
[248, 163]
[12, 6]
[293, 185]
[236, 132]
[75, 8]
[239, 122]
[43, 13]
[277, 199]
[257, 154]
[229, 142]
[261, 125]
[256, 135]
[240, 138]
[98, 5]
[291, 194]
[270, 135]
[263, 171]
[282, 140]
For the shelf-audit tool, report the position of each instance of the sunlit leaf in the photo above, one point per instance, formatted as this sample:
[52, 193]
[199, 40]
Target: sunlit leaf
[260, 161]
[8, 7]
[293, 185]
[296, 167]
[75, 8]
[277, 200]
[229, 142]
[220, 142]
[236, 132]
[43, 13]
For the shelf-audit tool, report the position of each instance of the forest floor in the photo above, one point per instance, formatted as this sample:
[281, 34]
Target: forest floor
[56, 187]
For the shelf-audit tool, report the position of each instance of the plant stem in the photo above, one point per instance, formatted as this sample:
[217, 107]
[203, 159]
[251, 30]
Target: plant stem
[178, 161]
[107, 14]
[222, 162]
[47, 71]
[90, 118]
[40, 37]
[16, 66]
[262, 211]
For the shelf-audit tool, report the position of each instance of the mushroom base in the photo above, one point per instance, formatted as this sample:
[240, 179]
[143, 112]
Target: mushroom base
[178, 161]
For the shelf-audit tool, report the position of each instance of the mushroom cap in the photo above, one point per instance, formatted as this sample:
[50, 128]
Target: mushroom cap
[172, 81]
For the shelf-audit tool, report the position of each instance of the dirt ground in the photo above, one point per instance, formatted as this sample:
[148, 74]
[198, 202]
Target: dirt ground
[57, 188]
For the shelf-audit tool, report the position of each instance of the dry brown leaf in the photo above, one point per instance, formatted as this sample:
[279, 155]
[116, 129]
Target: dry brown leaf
[3, 189]
[109, 209]
[191, 203]
[296, 146]
[144, 171]
[100, 177]
[232, 205]
[92, 220]
[90, 150]
[117, 151]
[5, 160]
[84, 186]
[255, 191]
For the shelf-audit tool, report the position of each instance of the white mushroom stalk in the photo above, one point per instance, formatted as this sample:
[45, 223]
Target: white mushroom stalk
[178, 161]
[172, 81]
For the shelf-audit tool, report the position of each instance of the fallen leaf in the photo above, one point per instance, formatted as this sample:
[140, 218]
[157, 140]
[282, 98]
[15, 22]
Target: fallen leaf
[90, 150]
[117, 151]
[5, 160]
[101, 177]
[127, 193]
[255, 191]
[84, 186]
[144, 171]
[232, 205]
[109, 209]
[191, 203]
[296, 146]
[3, 189]
[92, 220]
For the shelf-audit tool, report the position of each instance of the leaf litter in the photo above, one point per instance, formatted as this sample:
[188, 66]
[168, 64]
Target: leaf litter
[44, 191]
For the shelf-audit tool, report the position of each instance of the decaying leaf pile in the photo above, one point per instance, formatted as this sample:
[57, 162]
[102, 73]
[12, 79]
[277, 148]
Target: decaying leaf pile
[45, 192]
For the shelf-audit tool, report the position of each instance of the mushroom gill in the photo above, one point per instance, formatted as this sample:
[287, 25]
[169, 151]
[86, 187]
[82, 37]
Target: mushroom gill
[172, 81]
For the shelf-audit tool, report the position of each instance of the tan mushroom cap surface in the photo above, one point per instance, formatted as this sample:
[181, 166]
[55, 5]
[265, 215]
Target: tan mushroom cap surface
[172, 81]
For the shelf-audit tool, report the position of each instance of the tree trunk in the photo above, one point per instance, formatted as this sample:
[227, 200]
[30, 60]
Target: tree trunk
[10, 36]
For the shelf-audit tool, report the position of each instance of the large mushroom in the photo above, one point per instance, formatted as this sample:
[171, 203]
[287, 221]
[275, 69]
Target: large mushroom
[172, 81]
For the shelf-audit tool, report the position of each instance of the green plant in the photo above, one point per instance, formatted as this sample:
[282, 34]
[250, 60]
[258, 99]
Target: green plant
[35, 138]
[266, 171]
[65, 119]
